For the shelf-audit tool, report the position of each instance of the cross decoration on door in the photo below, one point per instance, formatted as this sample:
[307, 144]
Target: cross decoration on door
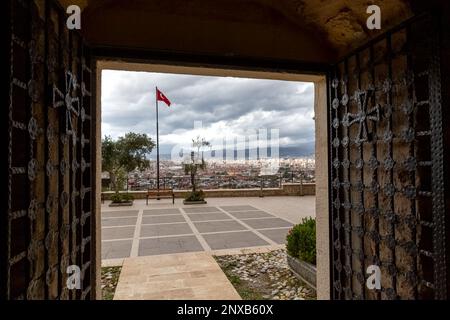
[69, 101]
[373, 114]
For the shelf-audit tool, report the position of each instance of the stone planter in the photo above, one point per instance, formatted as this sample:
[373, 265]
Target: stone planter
[304, 271]
[194, 202]
[121, 204]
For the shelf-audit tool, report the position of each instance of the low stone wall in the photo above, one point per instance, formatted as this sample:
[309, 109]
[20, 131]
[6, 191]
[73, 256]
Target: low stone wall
[298, 189]
[305, 271]
[288, 189]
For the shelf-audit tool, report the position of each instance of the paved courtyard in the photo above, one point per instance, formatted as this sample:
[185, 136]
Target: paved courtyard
[223, 224]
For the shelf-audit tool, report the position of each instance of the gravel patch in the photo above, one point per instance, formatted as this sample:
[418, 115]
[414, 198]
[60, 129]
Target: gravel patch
[264, 276]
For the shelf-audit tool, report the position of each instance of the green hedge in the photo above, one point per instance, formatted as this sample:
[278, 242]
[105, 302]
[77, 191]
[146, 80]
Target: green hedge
[121, 197]
[301, 241]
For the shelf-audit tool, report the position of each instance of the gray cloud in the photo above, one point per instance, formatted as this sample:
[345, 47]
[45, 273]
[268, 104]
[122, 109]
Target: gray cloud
[234, 104]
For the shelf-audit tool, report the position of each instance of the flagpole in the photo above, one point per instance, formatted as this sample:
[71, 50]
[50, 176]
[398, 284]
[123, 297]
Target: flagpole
[157, 141]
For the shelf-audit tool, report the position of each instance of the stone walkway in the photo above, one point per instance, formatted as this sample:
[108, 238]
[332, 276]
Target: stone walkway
[184, 276]
[159, 231]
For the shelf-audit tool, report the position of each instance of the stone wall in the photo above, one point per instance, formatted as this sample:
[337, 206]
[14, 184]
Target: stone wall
[322, 195]
[288, 189]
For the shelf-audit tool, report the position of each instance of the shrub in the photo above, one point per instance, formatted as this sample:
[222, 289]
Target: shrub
[116, 198]
[196, 196]
[121, 197]
[127, 197]
[301, 241]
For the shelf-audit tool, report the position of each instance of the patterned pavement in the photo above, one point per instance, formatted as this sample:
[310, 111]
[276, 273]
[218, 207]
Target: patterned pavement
[148, 232]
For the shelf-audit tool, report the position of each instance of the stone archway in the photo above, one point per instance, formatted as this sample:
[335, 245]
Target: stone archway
[48, 207]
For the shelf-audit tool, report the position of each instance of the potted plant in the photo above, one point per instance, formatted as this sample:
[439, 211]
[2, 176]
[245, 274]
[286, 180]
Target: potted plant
[121, 200]
[301, 251]
[191, 168]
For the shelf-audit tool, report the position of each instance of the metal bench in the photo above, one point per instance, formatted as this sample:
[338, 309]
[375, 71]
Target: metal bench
[161, 194]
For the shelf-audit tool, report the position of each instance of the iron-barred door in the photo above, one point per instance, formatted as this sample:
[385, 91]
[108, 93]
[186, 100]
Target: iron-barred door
[386, 147]
[49, 155]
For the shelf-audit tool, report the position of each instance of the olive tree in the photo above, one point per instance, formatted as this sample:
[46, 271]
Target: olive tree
[125, 154]
[196, 162]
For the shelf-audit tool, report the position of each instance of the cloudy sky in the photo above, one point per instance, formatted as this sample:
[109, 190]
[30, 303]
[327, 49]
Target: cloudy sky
[224, 105]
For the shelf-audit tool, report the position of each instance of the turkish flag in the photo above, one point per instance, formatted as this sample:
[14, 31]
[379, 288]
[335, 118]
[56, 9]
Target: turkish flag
[161, 97]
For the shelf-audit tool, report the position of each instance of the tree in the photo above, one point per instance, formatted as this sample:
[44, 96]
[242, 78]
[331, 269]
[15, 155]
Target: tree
[124, 155]
[197, 162]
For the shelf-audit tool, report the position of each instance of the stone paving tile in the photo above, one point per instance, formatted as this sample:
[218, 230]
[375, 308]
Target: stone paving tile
[148, 247]
[268, 223]
[182, 276]
[117, 233]
[177, 236]
[114, 222]
[238, 208]
[218, 226]
[165, 230]
[201, 209]
[276, 235]
[163, 219]
[251, 214]
[231, 240]
[208, 216]
[151, 212]
[117, 214]
[116, 249]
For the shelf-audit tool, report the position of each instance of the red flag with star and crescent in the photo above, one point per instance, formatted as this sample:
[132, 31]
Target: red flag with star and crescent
[161, 97]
